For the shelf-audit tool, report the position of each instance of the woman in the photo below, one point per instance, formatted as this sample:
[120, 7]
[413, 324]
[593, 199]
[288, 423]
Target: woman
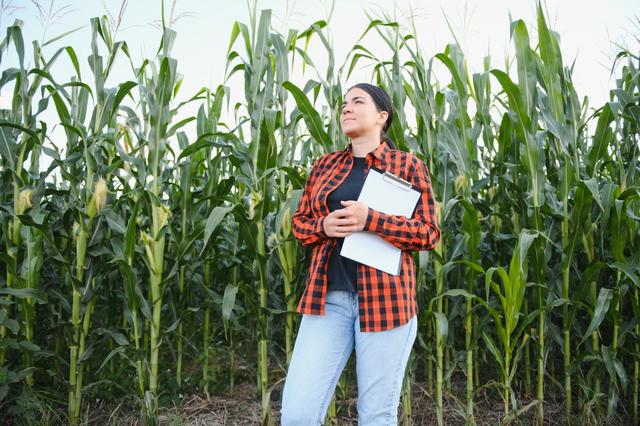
[347, 304]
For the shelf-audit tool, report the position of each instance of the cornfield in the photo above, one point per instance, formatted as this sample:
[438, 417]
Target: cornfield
[152, 255]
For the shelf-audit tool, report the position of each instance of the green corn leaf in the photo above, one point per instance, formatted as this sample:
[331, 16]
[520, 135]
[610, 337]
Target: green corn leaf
[311, 117]
[600, 310]
[214, 219]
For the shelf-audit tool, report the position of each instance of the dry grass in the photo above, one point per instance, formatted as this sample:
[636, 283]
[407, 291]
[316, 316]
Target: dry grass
[242, 407]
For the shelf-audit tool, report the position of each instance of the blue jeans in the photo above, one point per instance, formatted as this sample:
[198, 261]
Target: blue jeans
[322, 348]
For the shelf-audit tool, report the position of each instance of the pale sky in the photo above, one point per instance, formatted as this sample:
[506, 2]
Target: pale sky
[589, 30]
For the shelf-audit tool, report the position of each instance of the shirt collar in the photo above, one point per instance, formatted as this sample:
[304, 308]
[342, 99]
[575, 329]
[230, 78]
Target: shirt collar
[379, 152]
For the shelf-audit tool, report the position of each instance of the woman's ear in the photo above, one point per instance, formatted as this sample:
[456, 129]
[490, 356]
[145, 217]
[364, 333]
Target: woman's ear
[382, 115]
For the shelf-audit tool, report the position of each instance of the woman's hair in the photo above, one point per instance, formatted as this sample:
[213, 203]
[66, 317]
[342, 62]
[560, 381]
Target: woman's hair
[383, 103]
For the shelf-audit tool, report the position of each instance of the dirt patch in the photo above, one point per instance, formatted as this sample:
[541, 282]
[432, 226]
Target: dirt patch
[243, 407]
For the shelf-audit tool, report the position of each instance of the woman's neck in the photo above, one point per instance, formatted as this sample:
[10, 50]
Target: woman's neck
[364, 144]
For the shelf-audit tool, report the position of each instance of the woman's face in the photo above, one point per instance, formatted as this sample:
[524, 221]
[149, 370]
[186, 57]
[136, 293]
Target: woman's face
[360, 115]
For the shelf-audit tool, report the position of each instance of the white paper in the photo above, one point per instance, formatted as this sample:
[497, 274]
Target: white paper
[381, 193]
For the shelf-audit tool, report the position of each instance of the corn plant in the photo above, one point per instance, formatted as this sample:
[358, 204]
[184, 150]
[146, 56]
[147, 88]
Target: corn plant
[160, 82]
[88, 186]
[507, 315]
[21, 139]
[261, 153]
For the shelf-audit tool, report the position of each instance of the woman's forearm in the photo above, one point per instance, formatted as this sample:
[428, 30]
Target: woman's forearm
[420, 232]
[308, 230]
[307, 227]
[404, 233]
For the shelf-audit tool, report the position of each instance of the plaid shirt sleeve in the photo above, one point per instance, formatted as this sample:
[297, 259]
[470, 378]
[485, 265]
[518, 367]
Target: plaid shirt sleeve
[420, 232]
[307, 227]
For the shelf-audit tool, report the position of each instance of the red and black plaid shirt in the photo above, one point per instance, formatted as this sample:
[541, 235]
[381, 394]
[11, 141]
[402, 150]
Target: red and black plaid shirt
[385, 301]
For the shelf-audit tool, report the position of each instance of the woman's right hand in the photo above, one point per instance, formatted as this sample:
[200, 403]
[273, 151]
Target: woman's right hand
[336, 225]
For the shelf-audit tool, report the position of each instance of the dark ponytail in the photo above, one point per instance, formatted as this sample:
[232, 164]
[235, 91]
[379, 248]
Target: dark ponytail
[384, 137]
[383, 103]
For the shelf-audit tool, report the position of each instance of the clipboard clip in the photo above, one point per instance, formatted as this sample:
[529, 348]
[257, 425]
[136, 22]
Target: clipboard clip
[389, 177]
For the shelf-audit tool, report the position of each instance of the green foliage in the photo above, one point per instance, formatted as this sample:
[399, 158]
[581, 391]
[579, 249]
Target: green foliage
[154, 256]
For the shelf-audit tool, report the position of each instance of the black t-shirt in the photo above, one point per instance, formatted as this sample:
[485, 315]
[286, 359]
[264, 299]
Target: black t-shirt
[342, 272]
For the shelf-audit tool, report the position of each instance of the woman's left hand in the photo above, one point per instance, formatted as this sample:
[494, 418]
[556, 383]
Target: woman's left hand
[358, 212]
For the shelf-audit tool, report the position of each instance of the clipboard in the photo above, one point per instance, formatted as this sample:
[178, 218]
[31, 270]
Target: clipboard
[386, 193]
